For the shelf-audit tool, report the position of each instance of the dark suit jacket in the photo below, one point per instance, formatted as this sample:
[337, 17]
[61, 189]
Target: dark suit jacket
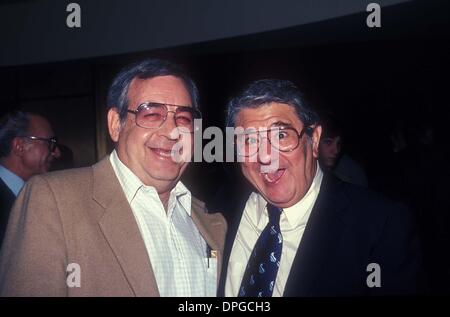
[7, 199]
[349, 228]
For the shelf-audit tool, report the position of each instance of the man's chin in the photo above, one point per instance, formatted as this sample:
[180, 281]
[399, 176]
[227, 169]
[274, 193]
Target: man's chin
[330, 163]
[282, 203]
[278, 197]
[166, 174]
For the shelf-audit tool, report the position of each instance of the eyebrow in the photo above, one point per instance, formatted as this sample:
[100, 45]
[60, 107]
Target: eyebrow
[273, 125]
[165, 104]
[281, 124]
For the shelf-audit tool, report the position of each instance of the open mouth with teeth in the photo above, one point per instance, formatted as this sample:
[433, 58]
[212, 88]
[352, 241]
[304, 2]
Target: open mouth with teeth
[164, 153]
[274, 176]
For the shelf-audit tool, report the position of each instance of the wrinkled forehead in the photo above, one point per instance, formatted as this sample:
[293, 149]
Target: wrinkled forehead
[268, 116]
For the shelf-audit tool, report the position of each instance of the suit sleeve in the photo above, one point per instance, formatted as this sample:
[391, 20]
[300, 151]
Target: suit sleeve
[399, 255]
[33, 256]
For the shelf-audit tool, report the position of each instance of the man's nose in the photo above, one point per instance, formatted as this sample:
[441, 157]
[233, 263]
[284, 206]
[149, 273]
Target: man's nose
[169, 128]
[264, 151]
[334, 149]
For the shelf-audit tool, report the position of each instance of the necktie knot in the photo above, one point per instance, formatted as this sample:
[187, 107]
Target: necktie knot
[274, 214]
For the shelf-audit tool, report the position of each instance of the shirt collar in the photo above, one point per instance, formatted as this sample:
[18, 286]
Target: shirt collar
[14, 182]
[296, 215]
[131, 184]
[181, 194]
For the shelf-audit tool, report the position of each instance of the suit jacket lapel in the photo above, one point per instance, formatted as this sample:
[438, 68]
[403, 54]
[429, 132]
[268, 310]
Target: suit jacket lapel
[321, 235]
[234, 219]
[122, 232]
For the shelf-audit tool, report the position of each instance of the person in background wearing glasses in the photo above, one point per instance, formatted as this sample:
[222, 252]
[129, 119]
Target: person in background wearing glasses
[302, 232]
[27, 147]
[126, 226]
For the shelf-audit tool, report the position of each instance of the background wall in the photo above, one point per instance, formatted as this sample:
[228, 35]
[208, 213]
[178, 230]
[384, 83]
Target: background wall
[35, 31]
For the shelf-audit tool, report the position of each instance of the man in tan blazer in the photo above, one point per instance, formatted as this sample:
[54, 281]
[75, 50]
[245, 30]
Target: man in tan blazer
[125, 226]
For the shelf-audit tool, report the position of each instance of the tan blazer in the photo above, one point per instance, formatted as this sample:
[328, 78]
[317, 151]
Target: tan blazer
[82, 216]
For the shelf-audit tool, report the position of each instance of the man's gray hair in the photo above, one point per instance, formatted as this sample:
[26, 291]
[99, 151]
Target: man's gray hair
[150, 68]
[12, 124]
[265, 91]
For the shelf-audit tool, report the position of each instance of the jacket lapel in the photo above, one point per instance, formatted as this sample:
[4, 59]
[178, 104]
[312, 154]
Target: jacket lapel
[121, 231]
[318, 243]
[235, 214]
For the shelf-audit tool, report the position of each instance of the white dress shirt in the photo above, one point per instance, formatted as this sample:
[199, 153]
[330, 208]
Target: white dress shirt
[175, 247]
[254, 219]
[14, 182]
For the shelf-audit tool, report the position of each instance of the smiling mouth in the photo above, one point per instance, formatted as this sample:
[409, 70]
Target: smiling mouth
[274, 176]
[165, 153]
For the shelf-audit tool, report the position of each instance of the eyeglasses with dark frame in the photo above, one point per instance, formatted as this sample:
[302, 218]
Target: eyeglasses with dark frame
[286, 139]
[52, 142]
[152, 115]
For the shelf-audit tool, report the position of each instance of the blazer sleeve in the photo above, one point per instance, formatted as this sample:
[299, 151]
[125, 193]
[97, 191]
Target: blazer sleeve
[33, 258]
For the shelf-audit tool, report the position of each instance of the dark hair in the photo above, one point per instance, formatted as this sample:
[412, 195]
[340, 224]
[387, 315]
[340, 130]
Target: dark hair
[118, 92]
[12, 124]
[264, 91]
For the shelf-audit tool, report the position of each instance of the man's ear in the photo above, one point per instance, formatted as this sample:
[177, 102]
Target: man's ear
[317, 132]
[18, 146]
[114, 124]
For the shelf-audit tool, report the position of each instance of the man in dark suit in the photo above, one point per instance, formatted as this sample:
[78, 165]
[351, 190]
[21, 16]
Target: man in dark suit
[27, 147]
[302, 232]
